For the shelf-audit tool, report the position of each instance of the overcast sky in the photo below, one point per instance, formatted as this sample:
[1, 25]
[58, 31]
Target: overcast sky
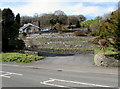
[88, 8]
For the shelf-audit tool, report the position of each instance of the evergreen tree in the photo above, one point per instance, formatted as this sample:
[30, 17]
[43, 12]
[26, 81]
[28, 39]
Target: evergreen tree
[10, 30]
[110, 28]
[116, 21]
[7, 26]
[17, 19]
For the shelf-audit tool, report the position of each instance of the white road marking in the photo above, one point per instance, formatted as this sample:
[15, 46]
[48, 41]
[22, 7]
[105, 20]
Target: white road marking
[5, 76]
[51, 80]
[48, 82]
[8, 74]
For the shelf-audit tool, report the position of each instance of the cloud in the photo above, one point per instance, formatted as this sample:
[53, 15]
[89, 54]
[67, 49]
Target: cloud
[92, 1]
[46, 6]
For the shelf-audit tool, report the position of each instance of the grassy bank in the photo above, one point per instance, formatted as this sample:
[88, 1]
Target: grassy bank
[19, 57]
[107, 51]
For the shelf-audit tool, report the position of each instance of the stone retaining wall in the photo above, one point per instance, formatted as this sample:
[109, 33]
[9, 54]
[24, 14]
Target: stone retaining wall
[106, 60]
[66, 51]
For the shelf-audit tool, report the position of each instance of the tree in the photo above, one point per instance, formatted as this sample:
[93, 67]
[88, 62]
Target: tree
[110, 28]
[72, 19]
[62, 19]
[7, 25]
[52, 21]
[26, 19]
[81, 18]
[92, 24]
[17, 19]
[115, 19]
[16, 24]
[10, 30]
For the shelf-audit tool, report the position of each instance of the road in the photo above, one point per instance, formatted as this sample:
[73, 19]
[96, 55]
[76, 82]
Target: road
[17, 76]
[59, 71]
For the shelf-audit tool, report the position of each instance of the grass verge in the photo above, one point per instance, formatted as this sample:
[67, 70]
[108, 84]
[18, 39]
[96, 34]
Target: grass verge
[107, 51]
[19, 57]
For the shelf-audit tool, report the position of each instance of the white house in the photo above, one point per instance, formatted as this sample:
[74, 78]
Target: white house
[29, 28]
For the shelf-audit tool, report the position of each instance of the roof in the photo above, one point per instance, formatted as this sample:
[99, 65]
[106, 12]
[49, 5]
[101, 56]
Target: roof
[27, 25]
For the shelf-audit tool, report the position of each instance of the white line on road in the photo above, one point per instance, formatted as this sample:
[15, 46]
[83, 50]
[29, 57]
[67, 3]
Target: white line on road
[7, 74]
[79, 83]
[51, 80]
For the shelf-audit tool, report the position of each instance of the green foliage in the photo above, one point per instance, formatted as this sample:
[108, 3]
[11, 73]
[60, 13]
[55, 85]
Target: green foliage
[7, 27]
[116, 21]
[52, 21]
[92, 24]
[10, 29]
[7, 23]
[106, 30]
[110, 28]
[17, 19]
[62, 19]
[19, 58]
[107, 51]
[16, 44]
[24, 34]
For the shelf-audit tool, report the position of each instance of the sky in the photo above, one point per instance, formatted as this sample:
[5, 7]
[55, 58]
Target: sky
[89, 8]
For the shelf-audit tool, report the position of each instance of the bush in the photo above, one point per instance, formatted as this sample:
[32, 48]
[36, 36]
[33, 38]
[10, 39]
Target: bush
[19, 57]
[79, 33]
[16, 44]
[24, 34]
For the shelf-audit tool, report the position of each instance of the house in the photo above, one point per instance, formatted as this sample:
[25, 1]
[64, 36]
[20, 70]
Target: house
[29, 28]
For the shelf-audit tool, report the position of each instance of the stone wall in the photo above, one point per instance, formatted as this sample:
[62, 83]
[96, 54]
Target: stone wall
[66, 51]
[26, 52]
[106, 60]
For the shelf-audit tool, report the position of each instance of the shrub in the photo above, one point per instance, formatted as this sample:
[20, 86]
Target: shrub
[19, 57]
[103, 44]
[16, 44]
[24, 34]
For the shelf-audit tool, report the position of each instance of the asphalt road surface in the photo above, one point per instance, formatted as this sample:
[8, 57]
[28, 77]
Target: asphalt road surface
[16, 76]
[65, 71]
